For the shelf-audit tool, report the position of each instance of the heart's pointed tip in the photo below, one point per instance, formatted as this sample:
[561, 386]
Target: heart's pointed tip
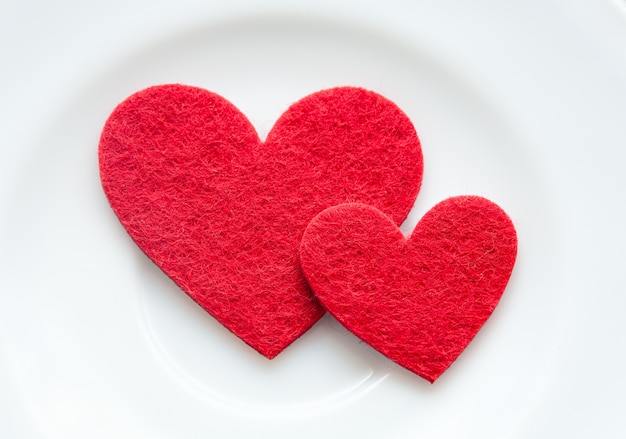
[270, 354]
[431, 377]
[430, 374]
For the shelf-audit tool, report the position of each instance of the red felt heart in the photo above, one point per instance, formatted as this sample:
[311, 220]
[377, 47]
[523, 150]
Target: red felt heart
[222, 213]
[420, 300]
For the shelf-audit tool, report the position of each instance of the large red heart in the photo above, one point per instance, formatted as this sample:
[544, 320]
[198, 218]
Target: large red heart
[420, 300]
[222, 213]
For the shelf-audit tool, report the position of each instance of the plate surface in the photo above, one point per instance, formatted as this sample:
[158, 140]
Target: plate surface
[521, 104]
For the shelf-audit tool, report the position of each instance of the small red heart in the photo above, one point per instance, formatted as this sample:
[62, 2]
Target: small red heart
[419, 301]
[222, 213]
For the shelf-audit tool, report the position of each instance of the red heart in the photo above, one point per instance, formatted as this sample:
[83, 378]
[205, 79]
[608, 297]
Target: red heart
[222, 213]
[420, 300]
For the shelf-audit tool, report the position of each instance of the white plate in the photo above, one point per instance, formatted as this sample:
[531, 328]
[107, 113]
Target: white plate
[524, 103]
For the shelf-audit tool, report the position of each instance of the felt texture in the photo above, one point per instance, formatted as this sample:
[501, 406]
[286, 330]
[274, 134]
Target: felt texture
[418, 300]
[222, 213]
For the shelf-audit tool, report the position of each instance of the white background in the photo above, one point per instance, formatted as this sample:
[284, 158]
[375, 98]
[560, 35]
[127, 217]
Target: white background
[522, 102]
